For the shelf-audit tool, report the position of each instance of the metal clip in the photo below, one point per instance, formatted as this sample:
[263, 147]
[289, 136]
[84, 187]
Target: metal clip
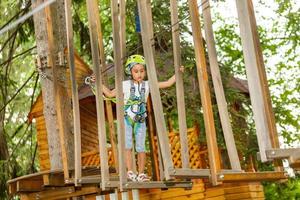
[61, 59]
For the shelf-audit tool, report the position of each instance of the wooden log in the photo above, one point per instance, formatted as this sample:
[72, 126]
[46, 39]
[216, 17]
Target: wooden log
[91, 6]
[214, 159]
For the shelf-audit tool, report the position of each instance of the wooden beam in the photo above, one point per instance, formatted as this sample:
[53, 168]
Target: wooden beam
[54, 180]
[153, 147]
[158, 184]
[218, 87]
[251, 176]
[119, 88]
[179, 86]
[264, 81]
[190, 173]
[64, 192]
[109, 111]
[91, 5]
[28, 185]
[75, 99]
[58, 93]
[153, 84]
[256, 77]
[281, 153]
[214, 159]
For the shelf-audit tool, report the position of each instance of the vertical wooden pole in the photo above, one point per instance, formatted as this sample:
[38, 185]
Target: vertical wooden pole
[151, 132]
[214, 159]
[218, 87]
[179, 85]
[75, 100]
[257, 81]
[119, 89]
[57, 93]
[99, 97]
[109, 111]
[155, 94]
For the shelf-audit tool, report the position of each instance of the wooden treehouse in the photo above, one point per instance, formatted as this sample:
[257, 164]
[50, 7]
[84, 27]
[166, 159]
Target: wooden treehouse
[78, 159]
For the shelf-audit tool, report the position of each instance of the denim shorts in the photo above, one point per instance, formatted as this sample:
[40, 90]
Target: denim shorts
[138, 130]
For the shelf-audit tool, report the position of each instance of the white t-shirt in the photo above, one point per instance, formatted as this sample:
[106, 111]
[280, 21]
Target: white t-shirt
[138, 87]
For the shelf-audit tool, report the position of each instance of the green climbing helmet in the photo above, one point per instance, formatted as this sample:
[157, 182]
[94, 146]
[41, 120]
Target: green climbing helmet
[133, 60]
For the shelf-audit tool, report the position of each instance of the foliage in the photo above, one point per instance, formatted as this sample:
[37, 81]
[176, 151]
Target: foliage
[279, 42]
[289, 190]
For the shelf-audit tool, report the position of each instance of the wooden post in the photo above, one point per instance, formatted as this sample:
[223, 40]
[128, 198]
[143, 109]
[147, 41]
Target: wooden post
[257, 81]
[75, 100]
[179, 85]
[119, 89]
[218, 87]
[109, 112]
[155, 94]
[99, 98]
[214, 159]
[57, 93]
[151, 133]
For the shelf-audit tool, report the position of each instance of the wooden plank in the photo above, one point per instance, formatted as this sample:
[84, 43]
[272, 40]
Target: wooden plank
[252, 176]
[245, 195]
[218, 87]
[245, 188]
[153, 147]
[91, 6]
[281, 153]
[109, 111]
[155, 94]
[214, 192]
[119, 89]
[179, 85]
[264, 84]
[64, 192]
[157, 184]
[75, 100]
[254, 76]
[214, 159]
[61, 118]
[190, 173]
[53, 180]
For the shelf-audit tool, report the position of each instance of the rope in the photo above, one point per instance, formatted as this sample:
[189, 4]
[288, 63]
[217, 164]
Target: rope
[25, 17]
[156, 35]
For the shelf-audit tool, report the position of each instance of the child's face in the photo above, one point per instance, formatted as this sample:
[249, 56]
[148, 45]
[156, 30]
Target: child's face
[138, 72]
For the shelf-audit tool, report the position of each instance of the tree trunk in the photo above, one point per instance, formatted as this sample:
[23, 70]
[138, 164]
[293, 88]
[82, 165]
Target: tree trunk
[49, 85]
[3, 143]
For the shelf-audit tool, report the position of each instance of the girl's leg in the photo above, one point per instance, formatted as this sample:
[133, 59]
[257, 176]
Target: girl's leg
[128, 143]
[141, 161]
[140, 137]
[128, 157]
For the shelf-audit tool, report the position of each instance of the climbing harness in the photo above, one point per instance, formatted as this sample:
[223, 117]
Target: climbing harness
[137, 105]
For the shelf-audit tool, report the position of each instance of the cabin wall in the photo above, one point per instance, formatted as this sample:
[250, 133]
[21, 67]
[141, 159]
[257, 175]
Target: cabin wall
[42, 140]
[89, 135]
